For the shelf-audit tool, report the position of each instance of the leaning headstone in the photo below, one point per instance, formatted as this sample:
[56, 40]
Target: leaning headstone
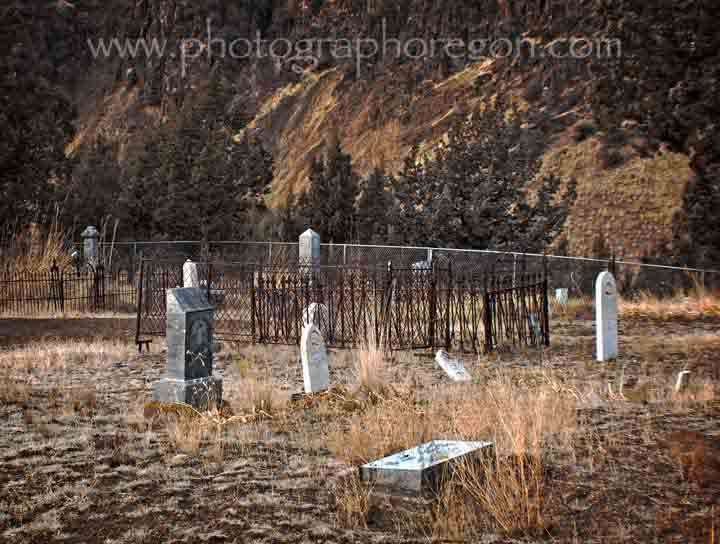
[189, 338]
[309, 248]
[316, 314]
[561, 296]
[90, 245]
[682, 382]
[190, 275]
[454, 368]
[316, 373]
[423, 467]
[606, 311]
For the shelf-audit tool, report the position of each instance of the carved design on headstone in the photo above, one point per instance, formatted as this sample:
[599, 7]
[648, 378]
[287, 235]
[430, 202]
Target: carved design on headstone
[606, 312]
[313, 353]
[189, 338]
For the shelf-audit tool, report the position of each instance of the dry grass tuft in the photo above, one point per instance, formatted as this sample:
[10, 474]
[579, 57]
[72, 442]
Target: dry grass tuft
[352, 501]
[12, 390]
[41, 253]
[185, 433]
[370, 369]
[699, 301]
[51, 355]
[529, 418]
[576, 308]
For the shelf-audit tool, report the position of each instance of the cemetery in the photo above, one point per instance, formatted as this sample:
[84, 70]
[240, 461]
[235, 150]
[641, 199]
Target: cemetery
[375, 403]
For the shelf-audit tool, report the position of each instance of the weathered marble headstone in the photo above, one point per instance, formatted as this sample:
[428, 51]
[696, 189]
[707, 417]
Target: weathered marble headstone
[189, 338]
[316, 314]
[561, 296]
[606, 311]
[190, 275]
[422, 467]
[90, 245]
[310, 251]
[316, 373]
[683, 380]
[454, 368]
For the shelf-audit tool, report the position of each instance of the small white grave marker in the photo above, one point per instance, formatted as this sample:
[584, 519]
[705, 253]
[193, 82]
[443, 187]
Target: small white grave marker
[606, 317]
[454, 368]
[190, 275]
[561, 296]
[316, 374]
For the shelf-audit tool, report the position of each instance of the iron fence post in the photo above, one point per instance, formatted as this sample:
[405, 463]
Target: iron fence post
[138, 318]
[388, 308]
[487, 317]
[448, 307]
[433, 303]
[253, 302]
[546, 304]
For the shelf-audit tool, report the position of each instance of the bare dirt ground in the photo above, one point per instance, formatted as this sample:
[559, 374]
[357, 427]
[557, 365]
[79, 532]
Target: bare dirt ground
[83, 458]
[18, 331]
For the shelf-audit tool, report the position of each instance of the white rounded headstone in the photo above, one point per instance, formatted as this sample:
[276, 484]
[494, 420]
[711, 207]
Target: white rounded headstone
[606, 312]
[316, 374]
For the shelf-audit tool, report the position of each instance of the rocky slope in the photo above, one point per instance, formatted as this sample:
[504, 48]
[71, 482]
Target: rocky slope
[634, 133]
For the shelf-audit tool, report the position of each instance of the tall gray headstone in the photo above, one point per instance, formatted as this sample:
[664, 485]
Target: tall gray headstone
[310, 251]
[90, 245]
[606, 313]
[316, 373]
[189, 376]
[190, 275]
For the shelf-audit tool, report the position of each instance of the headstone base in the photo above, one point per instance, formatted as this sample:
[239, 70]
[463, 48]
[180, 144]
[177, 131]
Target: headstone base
[423, 467]
[200, 393]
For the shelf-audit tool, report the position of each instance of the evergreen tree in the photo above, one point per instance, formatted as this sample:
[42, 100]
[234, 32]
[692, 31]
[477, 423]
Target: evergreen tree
[37, 124]
[329, 204]
[95, 187]
[373, 208]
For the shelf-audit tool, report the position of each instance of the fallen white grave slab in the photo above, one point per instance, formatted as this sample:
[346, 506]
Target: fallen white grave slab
[421, 467]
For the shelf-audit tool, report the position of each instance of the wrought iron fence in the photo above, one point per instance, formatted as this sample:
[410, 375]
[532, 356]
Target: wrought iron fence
[577, 274]
[396, 308]
[67, 290]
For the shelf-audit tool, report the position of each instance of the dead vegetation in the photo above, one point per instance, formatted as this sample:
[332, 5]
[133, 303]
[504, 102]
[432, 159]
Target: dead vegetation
[583, 451]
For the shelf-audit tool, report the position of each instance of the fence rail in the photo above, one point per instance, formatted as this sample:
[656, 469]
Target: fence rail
[396, 308]
[67, 290]
[574, 273]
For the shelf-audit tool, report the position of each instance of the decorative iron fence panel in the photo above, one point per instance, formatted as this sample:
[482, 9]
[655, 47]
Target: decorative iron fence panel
[67, 290]
[398, 309]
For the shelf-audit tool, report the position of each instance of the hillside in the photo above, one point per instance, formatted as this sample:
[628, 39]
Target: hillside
[616, 151]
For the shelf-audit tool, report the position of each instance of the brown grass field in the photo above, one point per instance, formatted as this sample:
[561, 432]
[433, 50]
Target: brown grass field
[585, 452]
